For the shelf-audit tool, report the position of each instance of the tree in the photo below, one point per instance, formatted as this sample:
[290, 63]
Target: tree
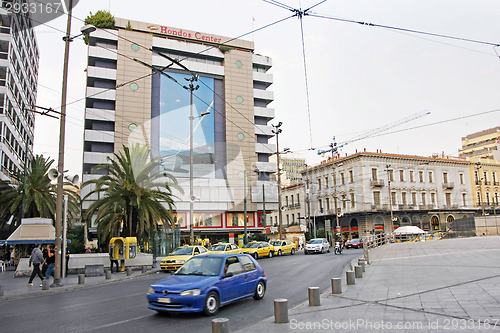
[131, 195]
[101, 19]
[37, 192]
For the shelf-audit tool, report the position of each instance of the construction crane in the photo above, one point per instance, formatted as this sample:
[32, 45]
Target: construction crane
[334, 147]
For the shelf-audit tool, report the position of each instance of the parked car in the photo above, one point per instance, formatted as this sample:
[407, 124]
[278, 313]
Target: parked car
[354, 243]
[207, 282]
[317, 245]
[179, 256]
[225, 248]
[258, 249]
[284, 246]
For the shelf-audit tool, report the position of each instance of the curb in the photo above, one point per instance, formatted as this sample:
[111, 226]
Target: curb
[57, 290]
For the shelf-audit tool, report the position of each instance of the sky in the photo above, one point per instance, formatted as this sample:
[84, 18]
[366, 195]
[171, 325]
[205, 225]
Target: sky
[361, 79]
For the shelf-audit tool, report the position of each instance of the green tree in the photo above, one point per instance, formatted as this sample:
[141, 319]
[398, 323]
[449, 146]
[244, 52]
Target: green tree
[131, 196]
[101, 19]
[38, 193]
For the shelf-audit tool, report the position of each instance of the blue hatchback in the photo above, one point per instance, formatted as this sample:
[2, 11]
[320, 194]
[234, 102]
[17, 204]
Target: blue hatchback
[207, 282]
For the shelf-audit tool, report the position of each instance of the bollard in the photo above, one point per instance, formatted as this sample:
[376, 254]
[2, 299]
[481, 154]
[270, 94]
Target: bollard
[81, 278]
[220, 325]
[363, 265]
[45, 285]
[358, 270]
[350, 278]
[281, 310]
[336, 286]
[314, 299]
[108, 275]
[1, 290]
[129, 271]
[144, 269]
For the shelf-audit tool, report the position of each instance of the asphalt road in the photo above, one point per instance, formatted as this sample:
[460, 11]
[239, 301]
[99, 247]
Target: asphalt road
[122, 306]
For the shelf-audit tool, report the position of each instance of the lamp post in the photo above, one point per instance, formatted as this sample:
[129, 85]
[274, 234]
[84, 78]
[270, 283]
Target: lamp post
[391, 225]
[62, 129]
[277, 130]
[245, 206]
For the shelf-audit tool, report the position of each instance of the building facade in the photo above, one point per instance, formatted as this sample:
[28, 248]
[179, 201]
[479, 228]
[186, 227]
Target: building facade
[19, 60]
[484, 144]
[128, 102]
[485, 178]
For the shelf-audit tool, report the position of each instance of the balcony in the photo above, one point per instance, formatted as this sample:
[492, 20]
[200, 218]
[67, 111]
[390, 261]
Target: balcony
[425, 207]
[448, 185]
[377, 183]
[380, 207]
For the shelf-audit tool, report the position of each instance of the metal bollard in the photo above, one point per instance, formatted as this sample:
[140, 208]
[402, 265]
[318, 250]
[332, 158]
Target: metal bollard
[350, 278]
[1, 290]
[220, 325]
[45, 285]
[144, 269]
[81, 278]
[108, 275]
[281, 310]
[129, 271]
[336, 286]
[314, 299]
[362, 263]
[358, 270]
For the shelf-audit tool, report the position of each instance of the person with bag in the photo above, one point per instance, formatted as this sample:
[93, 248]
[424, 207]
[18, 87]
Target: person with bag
[50, 261]
[44, 263]
[36, 259]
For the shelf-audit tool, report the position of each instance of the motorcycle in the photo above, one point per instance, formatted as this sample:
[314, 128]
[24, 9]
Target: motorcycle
[338, 248]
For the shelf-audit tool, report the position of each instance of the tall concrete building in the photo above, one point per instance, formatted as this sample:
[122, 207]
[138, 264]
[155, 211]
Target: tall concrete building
[128, 102]
[483, 144]
[18, 81]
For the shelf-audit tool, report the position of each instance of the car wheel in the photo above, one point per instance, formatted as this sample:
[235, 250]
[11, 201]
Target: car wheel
[270, 255]
[260, 290]
[328, 250]
[305, 251]
[255, 255]
[279, 252]
[211, 304]
[292, 252]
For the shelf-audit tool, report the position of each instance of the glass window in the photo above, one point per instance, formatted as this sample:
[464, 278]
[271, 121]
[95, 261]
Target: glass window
[233, 266]
[247, 263]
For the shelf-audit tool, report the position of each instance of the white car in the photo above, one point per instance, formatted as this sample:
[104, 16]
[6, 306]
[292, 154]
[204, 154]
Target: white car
[317, 245]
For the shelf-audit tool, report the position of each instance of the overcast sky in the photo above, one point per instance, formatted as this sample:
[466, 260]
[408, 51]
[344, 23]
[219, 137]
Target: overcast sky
[359, 77]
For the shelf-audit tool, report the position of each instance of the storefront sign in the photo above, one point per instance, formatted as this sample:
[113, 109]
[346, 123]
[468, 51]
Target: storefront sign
[183, 33]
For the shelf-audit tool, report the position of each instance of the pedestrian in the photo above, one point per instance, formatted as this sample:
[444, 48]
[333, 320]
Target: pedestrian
[67, 262]
[36, 259]
[44, 263]
[114, 262]
[51, 262]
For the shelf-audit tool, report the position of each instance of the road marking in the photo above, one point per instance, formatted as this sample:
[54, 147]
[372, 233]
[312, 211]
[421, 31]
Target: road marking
[119, 322]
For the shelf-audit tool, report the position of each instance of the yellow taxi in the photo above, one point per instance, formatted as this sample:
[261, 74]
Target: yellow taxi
[283, 246]
[179, 256]
[258, 249]
[225, 248]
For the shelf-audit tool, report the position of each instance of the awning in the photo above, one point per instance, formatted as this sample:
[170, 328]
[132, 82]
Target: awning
[32, 231]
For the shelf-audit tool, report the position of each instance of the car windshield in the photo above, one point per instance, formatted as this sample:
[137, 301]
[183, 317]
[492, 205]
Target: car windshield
[276, 243]
[355, 240]
[218, 247]
[315, 241]
[251, 245]
[203, 266]
[182, 251]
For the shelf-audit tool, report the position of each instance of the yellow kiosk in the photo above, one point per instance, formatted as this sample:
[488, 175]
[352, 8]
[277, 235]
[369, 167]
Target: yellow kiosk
[121, 249]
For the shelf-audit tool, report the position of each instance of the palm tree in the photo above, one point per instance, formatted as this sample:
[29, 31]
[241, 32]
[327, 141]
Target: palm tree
[33, 195]
[131, 195]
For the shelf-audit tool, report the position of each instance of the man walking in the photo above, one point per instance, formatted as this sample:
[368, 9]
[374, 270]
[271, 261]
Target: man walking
[36, 259]
[50, 261]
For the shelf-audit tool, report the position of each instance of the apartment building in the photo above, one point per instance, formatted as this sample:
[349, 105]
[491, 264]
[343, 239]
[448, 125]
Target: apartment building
[483, 144]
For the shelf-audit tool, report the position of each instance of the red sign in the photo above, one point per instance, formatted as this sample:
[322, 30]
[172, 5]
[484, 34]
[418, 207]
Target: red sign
[183, 33]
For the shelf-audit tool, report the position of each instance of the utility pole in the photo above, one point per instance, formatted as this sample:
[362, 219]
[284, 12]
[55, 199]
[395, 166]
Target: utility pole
[308, 193]
[264, 206]
[480, 183]
[277, 130]
[245, 206]
[391, 225]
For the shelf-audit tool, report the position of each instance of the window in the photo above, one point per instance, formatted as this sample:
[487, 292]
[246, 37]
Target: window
[431, 180]
[448, 199]
[248, 264]
[351, 177]
[293, 204]
[496, 198]
[485, 177]
[286, 200]
[433, 199]
[376, 198]
[445, 177]
[413, 198]
[343, 201]
[494, 178]
[319, 184]
[461, 179]
[320, 205]
[391, 175]
[464, 199]
[479, 198]
[421, 176]
[342, 180]
[298, 199]
[401, 175]
[476, 177]
[403, 197]
[327, 202]
[353, 202]
[326, 181]
[374, 174]
[487, 198]
[334, 179]
[424, 201]
[233, 266]
[412, 177]
[393, 198]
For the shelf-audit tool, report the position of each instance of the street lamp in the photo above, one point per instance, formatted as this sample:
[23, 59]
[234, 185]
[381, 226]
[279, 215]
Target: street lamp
[62, 129]
[277, 130]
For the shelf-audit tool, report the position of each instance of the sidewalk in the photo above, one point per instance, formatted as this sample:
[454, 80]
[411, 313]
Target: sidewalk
[438, 285]
[17, 287]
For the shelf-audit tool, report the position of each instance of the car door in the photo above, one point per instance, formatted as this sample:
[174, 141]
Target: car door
[251, 274]
[232, 286]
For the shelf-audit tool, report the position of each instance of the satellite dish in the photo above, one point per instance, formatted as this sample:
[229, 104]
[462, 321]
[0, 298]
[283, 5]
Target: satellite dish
[53, 174]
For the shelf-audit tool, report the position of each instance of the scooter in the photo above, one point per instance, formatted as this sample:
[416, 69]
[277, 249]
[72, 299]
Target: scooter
[338, 248]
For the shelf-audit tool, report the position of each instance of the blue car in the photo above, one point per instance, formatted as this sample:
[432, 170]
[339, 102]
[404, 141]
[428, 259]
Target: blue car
[207, 282]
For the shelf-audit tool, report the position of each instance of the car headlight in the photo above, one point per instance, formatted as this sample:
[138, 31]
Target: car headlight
[180, 261]
[190, 292]
[151, 290]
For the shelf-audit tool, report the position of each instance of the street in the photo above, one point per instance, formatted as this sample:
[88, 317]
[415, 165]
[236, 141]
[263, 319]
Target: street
[122, 306]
